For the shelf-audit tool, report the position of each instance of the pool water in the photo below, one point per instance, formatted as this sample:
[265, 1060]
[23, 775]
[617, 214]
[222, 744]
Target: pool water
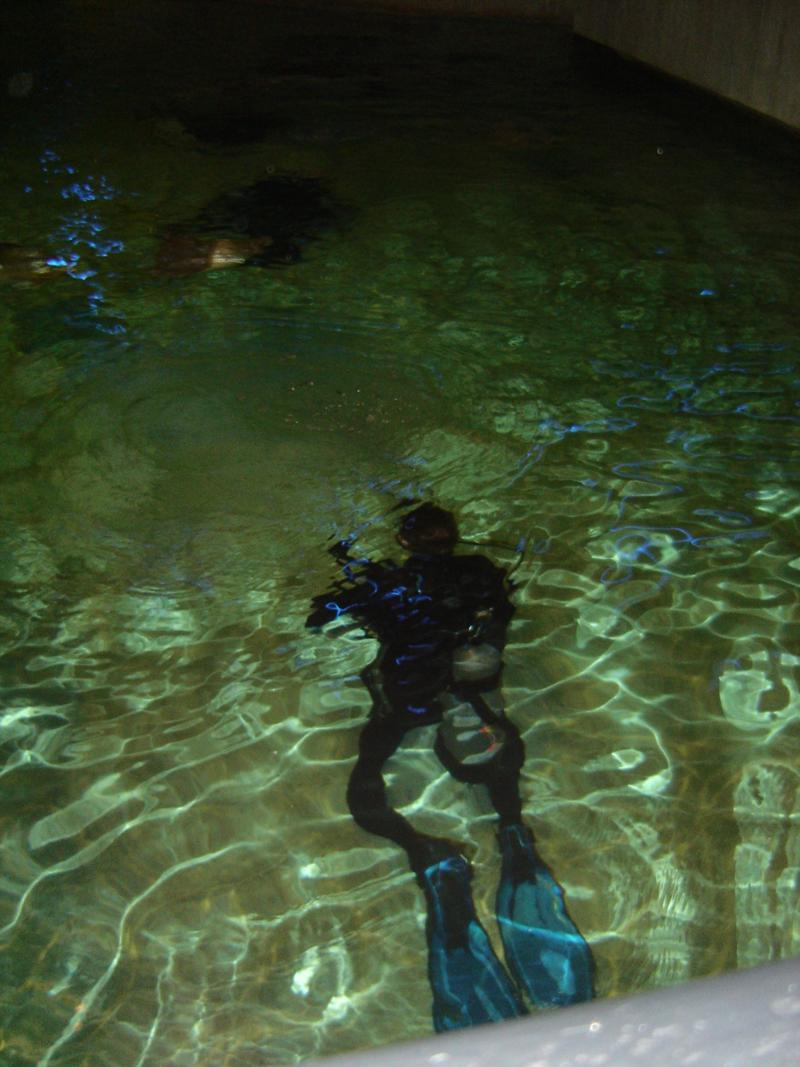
[560, 299]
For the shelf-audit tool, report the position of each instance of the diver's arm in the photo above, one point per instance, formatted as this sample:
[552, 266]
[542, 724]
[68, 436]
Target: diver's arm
[349, 600]
[341, 551]
[355, 593]
[339, 600]
[332, 605]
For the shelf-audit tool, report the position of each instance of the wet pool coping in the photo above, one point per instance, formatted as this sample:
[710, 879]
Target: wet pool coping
[740, 1019]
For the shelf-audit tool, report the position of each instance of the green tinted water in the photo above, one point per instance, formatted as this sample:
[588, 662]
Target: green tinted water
[566, 311]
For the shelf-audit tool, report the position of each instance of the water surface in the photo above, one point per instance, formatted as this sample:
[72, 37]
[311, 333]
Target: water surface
[561, 304]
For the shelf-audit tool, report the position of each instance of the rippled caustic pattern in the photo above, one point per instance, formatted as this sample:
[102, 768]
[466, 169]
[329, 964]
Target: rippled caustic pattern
[561, 303]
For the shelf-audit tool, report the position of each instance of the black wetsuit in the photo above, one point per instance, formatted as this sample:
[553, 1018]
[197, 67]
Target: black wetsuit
[429, 614]
[441, 622]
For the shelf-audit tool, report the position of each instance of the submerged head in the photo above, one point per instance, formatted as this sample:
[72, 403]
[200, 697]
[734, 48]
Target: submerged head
[26, 263]
[428, 530]
[185, 253]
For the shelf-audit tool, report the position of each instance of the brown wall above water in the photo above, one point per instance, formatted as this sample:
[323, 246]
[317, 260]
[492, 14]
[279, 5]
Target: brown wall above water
[558, 10]
[548, 10]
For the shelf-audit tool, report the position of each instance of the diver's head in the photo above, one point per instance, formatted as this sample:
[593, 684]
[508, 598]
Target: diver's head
[428, 530]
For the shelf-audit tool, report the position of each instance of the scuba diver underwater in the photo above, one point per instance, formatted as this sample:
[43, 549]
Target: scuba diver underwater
[441, 622]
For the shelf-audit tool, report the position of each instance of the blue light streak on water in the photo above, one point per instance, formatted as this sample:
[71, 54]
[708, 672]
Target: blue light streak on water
[558, 431]
[730, 518]
[82, 234]
[637, 547]
[694, 393]
[680, 536]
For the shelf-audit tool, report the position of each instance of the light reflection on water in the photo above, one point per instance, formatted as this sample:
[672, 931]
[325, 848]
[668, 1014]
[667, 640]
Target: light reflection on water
[586, 343]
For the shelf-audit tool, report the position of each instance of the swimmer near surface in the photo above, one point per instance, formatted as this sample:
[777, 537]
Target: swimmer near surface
[266, 224]
[441, 622]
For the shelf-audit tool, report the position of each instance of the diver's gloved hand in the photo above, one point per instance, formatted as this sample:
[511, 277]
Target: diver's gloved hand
[544, 950]
[468, 981]
[340, 550]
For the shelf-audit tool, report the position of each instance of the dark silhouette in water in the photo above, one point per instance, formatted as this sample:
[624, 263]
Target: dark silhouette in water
[441, 621]
[224, 129]
[265, 224]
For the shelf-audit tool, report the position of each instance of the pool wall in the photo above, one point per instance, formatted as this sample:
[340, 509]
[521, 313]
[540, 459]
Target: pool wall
[742, 50]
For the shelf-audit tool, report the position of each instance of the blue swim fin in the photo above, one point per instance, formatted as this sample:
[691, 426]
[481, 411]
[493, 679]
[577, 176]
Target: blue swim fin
[469, 983]
[544, 950]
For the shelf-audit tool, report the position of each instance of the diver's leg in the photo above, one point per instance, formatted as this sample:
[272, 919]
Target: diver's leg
[468, 982]
[466, 739]
[476, 743]
[369, 805]
[544, 950]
